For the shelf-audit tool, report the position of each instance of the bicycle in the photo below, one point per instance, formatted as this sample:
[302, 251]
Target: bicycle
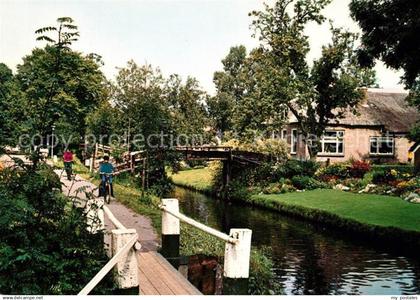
[107, 187]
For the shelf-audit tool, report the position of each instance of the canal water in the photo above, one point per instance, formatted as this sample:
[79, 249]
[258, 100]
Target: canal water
[310, 259]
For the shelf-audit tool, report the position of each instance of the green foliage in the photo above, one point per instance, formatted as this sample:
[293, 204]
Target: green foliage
[415, 133]
[275, 148]
[186, 105]
[231, 84]
[138, 93]
[294, 167]
[102, 122]
[390, 33]
[261, 280]
[194, 241]
[383, 176]
[306, 183]
[61, 86]
[409, 169]
[387, 37]
[337, 170]
[34, 218]
[286, 82]
[262, 276]
[12, 114]
[66, 33]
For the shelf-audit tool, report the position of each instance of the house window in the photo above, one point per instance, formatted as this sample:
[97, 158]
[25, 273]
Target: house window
[284, 134]
[294, 141]
[332, 142]
[381, 145]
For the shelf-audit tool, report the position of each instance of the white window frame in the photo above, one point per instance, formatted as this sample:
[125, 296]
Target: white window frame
[338, 139]
[294, 141]
[387, 139]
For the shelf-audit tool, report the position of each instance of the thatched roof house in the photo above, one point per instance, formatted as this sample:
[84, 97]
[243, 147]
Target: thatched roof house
[376, 132]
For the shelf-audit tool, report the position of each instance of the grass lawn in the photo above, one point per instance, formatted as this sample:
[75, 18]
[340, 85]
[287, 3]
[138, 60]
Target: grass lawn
[384, 211]
[370, 209]
[197, 179]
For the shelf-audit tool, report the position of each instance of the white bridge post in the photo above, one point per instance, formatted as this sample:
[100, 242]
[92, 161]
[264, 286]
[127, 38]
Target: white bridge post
[126, 270]
[170, 232]
[236, 264]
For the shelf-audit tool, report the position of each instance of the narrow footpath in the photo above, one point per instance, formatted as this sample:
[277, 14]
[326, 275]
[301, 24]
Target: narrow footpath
[130, 219]
[156, 275]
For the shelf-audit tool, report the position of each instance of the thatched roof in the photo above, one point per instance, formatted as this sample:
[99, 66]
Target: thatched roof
[383, 108]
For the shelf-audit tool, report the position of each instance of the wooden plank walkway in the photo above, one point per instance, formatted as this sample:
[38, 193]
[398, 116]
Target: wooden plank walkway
[156, 275]
[159, 277]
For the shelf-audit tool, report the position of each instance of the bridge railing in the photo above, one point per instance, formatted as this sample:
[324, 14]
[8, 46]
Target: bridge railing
[124, 245]
[237, 243]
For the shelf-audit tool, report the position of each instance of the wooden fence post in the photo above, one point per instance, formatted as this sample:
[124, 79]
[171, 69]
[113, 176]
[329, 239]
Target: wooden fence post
[236, 264]
[92, 161]
[126, 270]
[170, 232]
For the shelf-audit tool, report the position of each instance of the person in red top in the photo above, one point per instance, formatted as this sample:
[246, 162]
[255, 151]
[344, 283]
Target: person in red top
[68, 162]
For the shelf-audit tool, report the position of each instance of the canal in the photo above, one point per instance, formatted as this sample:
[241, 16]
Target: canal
[310, 259]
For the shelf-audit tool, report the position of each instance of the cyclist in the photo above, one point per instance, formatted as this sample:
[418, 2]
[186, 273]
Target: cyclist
[105, 170]
[68, 163]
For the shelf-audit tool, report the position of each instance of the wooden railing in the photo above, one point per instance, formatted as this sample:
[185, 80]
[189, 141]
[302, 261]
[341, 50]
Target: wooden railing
[237, 243]
[124, 245]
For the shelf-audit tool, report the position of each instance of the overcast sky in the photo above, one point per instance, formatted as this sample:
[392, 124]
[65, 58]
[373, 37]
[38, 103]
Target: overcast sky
[188, 37]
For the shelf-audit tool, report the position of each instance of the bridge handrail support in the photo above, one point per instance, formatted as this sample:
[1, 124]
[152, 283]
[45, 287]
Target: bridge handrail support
[121, 259]
[124, 245]
[237, 247]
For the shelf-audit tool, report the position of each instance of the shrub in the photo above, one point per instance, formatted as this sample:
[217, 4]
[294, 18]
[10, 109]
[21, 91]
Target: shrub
[382, 176]
[403, 169]
[306, 183]
[367, 179]
[359, 168]
[287, 188]
[295, 167]
[339, 171]
[354, 183]
[273, 188]
[274, 147]
[408, 186]
[34, 256]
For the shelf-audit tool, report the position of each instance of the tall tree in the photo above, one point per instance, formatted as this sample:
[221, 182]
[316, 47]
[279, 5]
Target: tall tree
[391, 33]
[318, 94]
[139, 94]
[186, 105]
[12, 113]
[230, 88]
[61, 85]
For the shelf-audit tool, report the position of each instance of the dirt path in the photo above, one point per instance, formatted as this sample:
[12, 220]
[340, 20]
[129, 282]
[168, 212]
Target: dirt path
[130, 219]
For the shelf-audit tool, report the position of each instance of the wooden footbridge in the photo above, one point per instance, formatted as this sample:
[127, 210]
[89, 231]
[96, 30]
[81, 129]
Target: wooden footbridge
[149, 273]
[137, 160]
[138, 270]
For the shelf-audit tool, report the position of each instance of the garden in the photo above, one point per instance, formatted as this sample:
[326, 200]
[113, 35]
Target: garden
[353, 176]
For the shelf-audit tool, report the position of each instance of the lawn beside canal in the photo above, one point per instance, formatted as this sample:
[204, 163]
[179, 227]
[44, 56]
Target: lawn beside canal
[372, 213]
[195, 179]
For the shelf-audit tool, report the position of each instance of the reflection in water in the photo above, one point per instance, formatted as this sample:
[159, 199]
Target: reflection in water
[310, 259]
